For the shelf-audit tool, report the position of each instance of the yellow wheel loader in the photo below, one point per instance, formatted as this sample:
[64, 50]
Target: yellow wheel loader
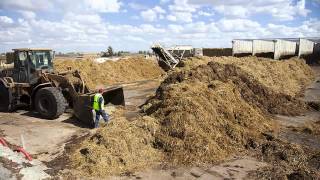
[28, 79]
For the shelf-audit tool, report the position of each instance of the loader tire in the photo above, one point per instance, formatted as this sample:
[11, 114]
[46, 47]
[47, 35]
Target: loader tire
[50, 103]
[4, 98]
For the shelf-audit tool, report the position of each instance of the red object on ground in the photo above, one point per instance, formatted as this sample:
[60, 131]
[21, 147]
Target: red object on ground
[27, 155]
[3, 142]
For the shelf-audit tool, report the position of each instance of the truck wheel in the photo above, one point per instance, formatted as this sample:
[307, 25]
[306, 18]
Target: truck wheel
[50, 103]
[4, 98]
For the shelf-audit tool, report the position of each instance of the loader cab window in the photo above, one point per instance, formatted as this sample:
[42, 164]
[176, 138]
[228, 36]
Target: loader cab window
[41, 59]
[21, 57]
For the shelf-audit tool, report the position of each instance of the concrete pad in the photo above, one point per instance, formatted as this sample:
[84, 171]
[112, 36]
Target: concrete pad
[46, 138]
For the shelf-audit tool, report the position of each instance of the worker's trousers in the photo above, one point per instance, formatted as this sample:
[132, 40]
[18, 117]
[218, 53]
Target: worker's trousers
[104, 115]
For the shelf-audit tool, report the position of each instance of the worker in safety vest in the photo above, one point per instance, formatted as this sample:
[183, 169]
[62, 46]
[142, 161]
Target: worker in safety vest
[98, 106]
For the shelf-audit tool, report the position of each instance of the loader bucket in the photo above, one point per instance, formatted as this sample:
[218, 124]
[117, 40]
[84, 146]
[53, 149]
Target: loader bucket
[82, 106]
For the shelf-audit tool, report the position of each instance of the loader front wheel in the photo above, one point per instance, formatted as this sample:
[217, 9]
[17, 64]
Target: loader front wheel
[50, 103]
[4, 98]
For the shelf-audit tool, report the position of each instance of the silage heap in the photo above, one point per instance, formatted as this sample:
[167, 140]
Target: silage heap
[199, 115]
[286, 76]
[213, 110]
[122, 147]
[98, 75]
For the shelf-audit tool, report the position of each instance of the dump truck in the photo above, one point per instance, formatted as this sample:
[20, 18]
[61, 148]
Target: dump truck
[28, 79]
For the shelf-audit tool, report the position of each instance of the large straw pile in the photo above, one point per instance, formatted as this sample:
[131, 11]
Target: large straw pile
[199, 115]
[204, 122]
[213, 110]
[111, 72]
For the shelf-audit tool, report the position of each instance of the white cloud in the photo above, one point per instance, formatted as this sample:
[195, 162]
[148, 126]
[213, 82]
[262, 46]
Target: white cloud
[205, 13]
[149, 15]
[181, 11]
[237, 25]
[309, 28]
[159, 10]
[134, 38]
[87, 19]
[81, 27]
[88, 32]
[103, 5]
[233, 11]
[29, 5]
[28, 14]
[5, 20]
[137, 6]
[164, 1]
[148, 28]
[172, 18]
[175, 28]
[279, 9]
[152, 14]
[180, 17]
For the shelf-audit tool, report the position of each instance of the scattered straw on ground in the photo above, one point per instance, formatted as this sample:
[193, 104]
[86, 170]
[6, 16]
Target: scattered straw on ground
[112, 72]
[312, 128]
[287, 161]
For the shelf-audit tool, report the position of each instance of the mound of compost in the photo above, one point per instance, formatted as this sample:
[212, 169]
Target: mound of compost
[213, 110]
[111, 72]
[289, 77]
[122, 147]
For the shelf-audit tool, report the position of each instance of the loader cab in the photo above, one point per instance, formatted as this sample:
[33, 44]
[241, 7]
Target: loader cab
[29, 62]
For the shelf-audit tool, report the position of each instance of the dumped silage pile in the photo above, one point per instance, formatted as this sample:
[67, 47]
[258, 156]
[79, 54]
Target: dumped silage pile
[205, 122]
[201, 114]
[112, 72]
[287, 77]
[121, 147]
[210, 111]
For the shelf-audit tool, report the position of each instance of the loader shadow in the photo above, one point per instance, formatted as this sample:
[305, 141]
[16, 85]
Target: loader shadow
[32, 114]
[71, 120]
[74, 121]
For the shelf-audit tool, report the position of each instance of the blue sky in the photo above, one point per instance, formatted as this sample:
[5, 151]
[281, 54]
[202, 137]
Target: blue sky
[93, 25]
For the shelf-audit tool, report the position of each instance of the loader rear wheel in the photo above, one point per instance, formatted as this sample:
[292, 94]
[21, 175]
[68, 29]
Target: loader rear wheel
[4, 98]
[50, 103]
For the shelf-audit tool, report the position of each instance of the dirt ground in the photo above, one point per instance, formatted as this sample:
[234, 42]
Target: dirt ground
[46, 140]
